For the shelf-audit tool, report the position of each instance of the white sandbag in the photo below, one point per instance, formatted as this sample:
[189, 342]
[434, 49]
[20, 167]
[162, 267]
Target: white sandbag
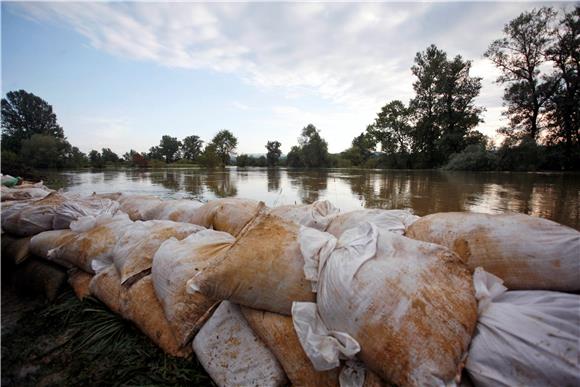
[71, 210]
[316, 215]
[23, 193]
[136, 206]
[409, 305]
[95, 240]
[525, 251]
[134, 251]
[41, 244]
[174, 263]
[181, 210]
[395, 221]
[232, 354]
[229, 214]
[263, 270]
[524, 338]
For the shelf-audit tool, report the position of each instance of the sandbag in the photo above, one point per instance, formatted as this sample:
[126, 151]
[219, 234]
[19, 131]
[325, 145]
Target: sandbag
[95, 239]
[79, 282]
[136, 206]
[525, 251]
[173, 265]
[134, 251]
[232, 354]
[524, 338]
[140, 305]
[181, 210]
[317, 215]
[23, 193]
[55, 211]
[264, 269]
[228, 214]
[17, 249]
[277, 332]
[389, 220]
[9, 181]
[42, 243]
[106, 287]
[37, 277]
[111, 195]
[405, 308]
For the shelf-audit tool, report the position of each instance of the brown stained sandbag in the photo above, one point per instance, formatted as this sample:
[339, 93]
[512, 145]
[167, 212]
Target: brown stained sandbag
[37, 277]
[526, 252]
[80, 281]
[17, 249]
[230, 215]
[42, 243]
[106, 287]
[179, 210]
[136, 206]
[140, 305]
[263, 270]
[277, 332]
[316, 215]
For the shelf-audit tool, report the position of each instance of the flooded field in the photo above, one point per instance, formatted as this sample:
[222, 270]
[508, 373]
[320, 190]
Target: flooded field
[553, 196]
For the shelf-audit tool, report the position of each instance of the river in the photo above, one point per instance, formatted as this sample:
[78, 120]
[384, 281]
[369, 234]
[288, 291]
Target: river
[554, 196]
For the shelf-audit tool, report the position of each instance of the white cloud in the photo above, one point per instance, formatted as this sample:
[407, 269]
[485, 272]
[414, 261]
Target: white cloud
[357, 56]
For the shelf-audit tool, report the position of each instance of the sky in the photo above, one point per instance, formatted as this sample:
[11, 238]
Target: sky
[121, 75]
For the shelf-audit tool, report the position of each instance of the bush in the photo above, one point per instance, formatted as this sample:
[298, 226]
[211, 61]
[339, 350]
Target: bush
[472, 158]
[525, 156]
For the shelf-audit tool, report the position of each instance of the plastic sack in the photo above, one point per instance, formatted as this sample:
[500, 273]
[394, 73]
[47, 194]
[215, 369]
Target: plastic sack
[525, 251]
[181, 210]
[42, 243]
[79, 282]
[264, 269]
[524, 338]
[106, 287]
[71, 210]
[229, 214]
[395, 221]
[232, 354]
[9, 181]
[173, 265]
[136, 206]
[134, 251]
[409, 305]
[140, 305]
[95, 240]
[23, 193]
[17, 249]
[316, 215]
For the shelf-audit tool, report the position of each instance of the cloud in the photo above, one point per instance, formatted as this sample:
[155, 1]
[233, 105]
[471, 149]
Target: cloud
[355, 56]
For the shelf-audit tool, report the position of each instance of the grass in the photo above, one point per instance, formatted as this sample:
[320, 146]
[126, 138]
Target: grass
[71, 342]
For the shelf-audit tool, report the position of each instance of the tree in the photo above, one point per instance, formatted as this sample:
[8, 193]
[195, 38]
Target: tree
[108, 156]
[155, 153]
[169, 147]
[519, 55]
[313, 148]
[362, 148]
[243, 160]
[42, 151]
[224, 144]
[392, 129]
[24, 115]
[95, 159]
[191, 147]
[563, 107]
[294, 157]
[274, 153]
[210, 157]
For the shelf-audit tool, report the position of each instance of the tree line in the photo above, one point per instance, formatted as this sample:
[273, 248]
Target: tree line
[539, 60]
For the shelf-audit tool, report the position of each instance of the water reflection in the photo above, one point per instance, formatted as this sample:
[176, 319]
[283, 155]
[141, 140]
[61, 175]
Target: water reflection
[551, 195]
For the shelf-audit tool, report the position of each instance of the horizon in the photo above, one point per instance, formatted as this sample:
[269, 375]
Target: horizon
[121, 75]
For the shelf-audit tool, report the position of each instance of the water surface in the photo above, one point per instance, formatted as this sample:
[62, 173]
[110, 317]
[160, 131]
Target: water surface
[553, 196]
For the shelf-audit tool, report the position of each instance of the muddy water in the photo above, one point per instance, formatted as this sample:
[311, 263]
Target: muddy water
[554, 196]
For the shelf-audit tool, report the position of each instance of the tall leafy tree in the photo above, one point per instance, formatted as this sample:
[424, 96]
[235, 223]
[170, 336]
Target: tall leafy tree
[169, 148]
[313, 148]
[274, 152]
[392, 129]
[23, 115]
[224, 143]
[294, 157]
[109, 156]
[192, 147]
[155, 153]
[519, 55]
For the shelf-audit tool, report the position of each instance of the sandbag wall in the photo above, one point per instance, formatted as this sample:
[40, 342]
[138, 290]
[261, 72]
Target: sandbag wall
[310, 296]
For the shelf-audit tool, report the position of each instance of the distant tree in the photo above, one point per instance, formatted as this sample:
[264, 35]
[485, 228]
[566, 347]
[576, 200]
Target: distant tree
[274, 153]
[224, 143]
[108, 156]
[210, 157]
[313, 148]
[24, 115]
[169, 148]
[75, 158]
[261, 161]
[191, 148]
[519, 55]
[392, 129]
[361, 150]
[42, 151]
[294, 157]
[139, 160]
[243, 160]
[96, 159]
[155, 153]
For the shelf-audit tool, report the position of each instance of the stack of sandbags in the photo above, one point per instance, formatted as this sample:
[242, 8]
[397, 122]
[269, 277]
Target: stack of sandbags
[524, 251]
[317, 215]
[524, 338]
[232, 354]
[24, 192]
[230, 215]
[55, 211]
[396, 221]
[180, 210]
[173, 265]
[405, 308]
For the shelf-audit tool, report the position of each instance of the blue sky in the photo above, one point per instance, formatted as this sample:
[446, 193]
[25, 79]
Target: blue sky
[121, 75]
